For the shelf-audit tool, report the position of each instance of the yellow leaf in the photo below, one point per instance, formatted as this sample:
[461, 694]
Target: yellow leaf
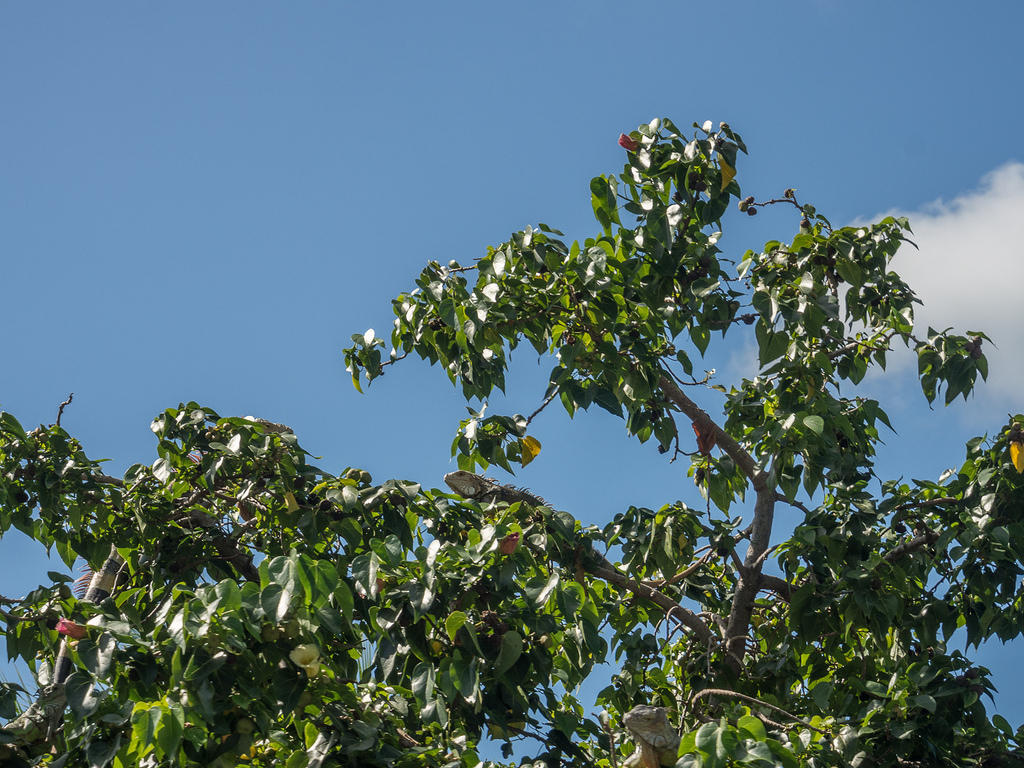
[529, 448]
[292, 504]
[1017, 455]
[728, 172]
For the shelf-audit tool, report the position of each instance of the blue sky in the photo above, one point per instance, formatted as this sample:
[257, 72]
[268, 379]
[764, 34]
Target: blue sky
[203, 201]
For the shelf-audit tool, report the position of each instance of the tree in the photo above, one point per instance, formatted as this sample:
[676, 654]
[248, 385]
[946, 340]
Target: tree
[250, 608]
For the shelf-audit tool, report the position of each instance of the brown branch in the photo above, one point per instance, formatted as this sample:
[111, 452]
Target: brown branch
[226, 547]
[856, 345]
[924, 539]
[603, 569]
[547, 401]
[725, 441]
[11, 618]
[611, 740]
[60, 411]
[760, 529]
[793, 503]
[679, 576]
[750, 575]
[759, 563]
[752, 700]
[781, 587]
[925, 503]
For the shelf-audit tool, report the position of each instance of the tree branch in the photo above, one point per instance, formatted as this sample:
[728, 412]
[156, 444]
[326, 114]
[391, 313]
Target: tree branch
[793, 503]
[752, 700]
[750, 575]
[603, 569]
[922, 540]
[760, 528]
[679, 576]
[724, 441]
[479, 488]
[781, 587]
[65, 404]
[925, 503]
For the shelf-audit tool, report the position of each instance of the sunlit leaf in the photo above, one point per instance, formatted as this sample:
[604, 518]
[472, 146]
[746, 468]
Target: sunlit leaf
[728, 172]
[530, 449]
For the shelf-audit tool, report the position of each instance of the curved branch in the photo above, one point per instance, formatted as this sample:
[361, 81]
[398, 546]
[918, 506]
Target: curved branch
[724, 441]
[781, 587]
[543, 405]
[793, 503]
[752, 700]
[605, 570]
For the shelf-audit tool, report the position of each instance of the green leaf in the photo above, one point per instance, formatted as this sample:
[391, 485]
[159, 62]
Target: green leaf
[81, 693]
[815, 423]
[822, 693]
[753, 726]
[539, 589]
[145, 720]
[454, 622]
[423, 683]
[511, 650]
[701, 337]
[99, 752]
[170, 729]
[707, 738]
[98, 654]
[162, 470]
[925, 702]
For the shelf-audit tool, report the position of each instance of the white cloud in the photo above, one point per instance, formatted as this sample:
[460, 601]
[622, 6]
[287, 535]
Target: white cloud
[969, 272]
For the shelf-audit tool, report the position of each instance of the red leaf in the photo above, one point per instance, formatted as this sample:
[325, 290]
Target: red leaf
[509, 543]
[69, 628]
[705, 440]
[627, 142]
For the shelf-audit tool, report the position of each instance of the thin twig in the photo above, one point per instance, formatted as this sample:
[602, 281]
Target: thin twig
[725, 441]
[547, 401]
[611, 740]
[60, 411]
[679, 576]
[793, 503]
[763, 556]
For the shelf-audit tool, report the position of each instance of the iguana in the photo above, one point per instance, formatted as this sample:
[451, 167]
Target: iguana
[480, 488]
[657, 742]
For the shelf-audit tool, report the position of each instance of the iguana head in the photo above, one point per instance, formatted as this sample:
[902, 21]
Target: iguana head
[651, 725]
[465, 483]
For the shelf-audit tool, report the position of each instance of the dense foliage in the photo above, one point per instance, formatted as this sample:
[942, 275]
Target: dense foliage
[263, 611]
